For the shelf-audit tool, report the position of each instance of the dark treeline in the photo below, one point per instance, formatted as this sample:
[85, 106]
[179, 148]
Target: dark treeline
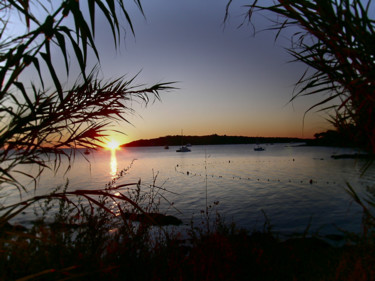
[209, 140]
[334, 138]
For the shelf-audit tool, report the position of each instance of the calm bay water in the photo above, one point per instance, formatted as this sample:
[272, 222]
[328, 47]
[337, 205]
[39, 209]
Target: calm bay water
[291, 184]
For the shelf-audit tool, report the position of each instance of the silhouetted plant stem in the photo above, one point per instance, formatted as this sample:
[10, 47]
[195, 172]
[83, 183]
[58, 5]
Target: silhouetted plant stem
[334, 40]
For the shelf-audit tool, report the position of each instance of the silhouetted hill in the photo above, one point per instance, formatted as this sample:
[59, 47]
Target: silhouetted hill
[209, 140]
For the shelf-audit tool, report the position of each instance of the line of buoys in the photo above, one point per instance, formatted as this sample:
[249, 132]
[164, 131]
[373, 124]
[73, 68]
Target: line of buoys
[189, 173]
[215, 163]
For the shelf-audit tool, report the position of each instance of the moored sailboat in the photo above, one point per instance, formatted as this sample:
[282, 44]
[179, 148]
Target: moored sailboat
[183, 148]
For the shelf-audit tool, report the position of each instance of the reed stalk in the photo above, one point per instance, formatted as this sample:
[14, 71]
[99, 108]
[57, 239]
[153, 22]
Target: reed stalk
[334, 40]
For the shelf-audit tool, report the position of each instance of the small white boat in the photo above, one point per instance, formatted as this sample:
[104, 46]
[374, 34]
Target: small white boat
[183, 149]
[258, 148]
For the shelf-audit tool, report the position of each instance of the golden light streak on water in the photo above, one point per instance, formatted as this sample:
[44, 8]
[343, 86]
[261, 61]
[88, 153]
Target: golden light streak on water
[113, 173]
[113, 163]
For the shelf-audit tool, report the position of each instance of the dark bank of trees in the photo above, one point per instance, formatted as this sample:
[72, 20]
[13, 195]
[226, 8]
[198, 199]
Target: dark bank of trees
[335, 40]
[210, 140]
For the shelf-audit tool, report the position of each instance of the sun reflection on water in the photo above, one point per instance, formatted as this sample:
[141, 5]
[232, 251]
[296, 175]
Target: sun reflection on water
[113, 172]
[113, 163]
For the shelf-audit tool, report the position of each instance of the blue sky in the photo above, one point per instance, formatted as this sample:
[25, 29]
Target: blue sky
[230, 82]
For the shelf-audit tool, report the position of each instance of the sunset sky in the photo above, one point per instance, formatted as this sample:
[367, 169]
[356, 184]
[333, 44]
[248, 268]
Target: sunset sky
[230, 82]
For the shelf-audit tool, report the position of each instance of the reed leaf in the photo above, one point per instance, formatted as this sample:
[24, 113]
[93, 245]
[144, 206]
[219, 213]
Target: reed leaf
[38, 123]
[334, 39]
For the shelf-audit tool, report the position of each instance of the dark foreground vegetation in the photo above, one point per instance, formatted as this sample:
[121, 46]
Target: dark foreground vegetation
[94, 251]
[81, 243]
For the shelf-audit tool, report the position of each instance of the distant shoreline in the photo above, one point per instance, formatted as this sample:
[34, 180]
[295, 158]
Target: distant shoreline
[176, 140]
[214, 139]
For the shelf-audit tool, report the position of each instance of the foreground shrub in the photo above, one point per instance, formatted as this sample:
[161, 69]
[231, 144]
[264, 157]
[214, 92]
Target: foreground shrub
[122, 240]
[103, 247]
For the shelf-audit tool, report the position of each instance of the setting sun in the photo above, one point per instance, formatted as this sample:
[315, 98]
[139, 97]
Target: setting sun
[113, 145]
